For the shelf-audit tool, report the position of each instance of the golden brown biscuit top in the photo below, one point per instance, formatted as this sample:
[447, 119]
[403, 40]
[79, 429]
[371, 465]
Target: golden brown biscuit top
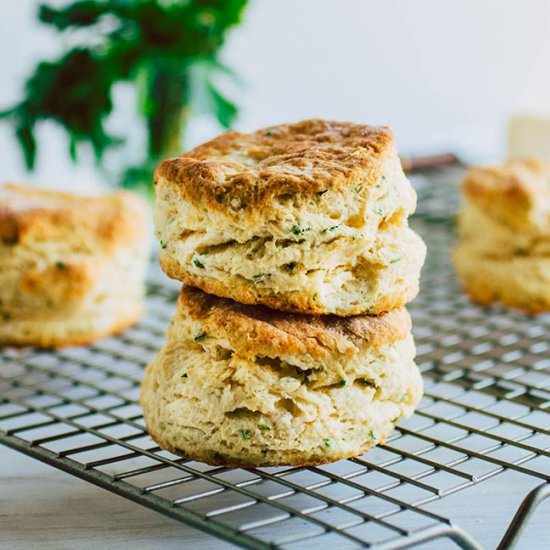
[29, 214]
[511, 191]
[310, 156]
[258, 330]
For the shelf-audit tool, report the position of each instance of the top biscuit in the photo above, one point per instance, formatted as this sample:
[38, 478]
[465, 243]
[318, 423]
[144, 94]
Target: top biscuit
[516, 194]
[308, 217]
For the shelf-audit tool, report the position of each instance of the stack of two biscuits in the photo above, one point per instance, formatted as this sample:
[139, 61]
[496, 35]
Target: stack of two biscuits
[297, 348]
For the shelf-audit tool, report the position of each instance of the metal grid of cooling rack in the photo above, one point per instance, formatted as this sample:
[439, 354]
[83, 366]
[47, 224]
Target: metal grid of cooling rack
[486, 409]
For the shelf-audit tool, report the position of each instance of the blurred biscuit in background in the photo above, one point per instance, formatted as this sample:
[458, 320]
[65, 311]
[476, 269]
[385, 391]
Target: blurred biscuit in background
[309, 217]
[503, 252]
[72, 268]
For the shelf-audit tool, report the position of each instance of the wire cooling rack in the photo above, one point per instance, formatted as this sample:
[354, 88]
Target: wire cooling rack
[485, 410]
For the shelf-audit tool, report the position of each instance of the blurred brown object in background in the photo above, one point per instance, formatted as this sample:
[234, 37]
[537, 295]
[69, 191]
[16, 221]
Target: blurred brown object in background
[416, 164]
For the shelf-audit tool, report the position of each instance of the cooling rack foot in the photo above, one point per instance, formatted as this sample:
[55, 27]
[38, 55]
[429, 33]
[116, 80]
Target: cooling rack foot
[522, 516]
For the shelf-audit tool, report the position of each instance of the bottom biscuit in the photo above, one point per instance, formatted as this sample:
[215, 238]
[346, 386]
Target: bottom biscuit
[521, 282]
[247, 386]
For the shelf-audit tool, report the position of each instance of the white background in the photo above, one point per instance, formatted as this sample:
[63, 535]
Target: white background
[443, 73]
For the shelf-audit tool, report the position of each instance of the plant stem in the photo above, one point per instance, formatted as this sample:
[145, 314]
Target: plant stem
[169, 95]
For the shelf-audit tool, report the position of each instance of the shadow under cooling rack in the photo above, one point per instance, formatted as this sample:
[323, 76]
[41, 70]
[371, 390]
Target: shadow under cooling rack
[485, 409]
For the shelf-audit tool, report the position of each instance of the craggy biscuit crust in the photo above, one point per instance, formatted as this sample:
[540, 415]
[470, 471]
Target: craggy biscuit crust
[254, 329]
[238, 171]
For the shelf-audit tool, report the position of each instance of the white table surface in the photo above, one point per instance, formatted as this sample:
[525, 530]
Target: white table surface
[43, 508]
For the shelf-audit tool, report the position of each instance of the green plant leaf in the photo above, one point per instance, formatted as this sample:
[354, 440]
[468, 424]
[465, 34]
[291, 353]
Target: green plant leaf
[140, 179]
[78, 14]
[218, 67]
[154, 43]
[72, 147]
[25, 137]
[224, 109]
[8, 113]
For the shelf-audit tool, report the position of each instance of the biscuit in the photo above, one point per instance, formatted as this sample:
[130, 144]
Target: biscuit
[503, 253]
[72, 268]
[521, 282]
[515, 194]
[248, 386]
[308, 217]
